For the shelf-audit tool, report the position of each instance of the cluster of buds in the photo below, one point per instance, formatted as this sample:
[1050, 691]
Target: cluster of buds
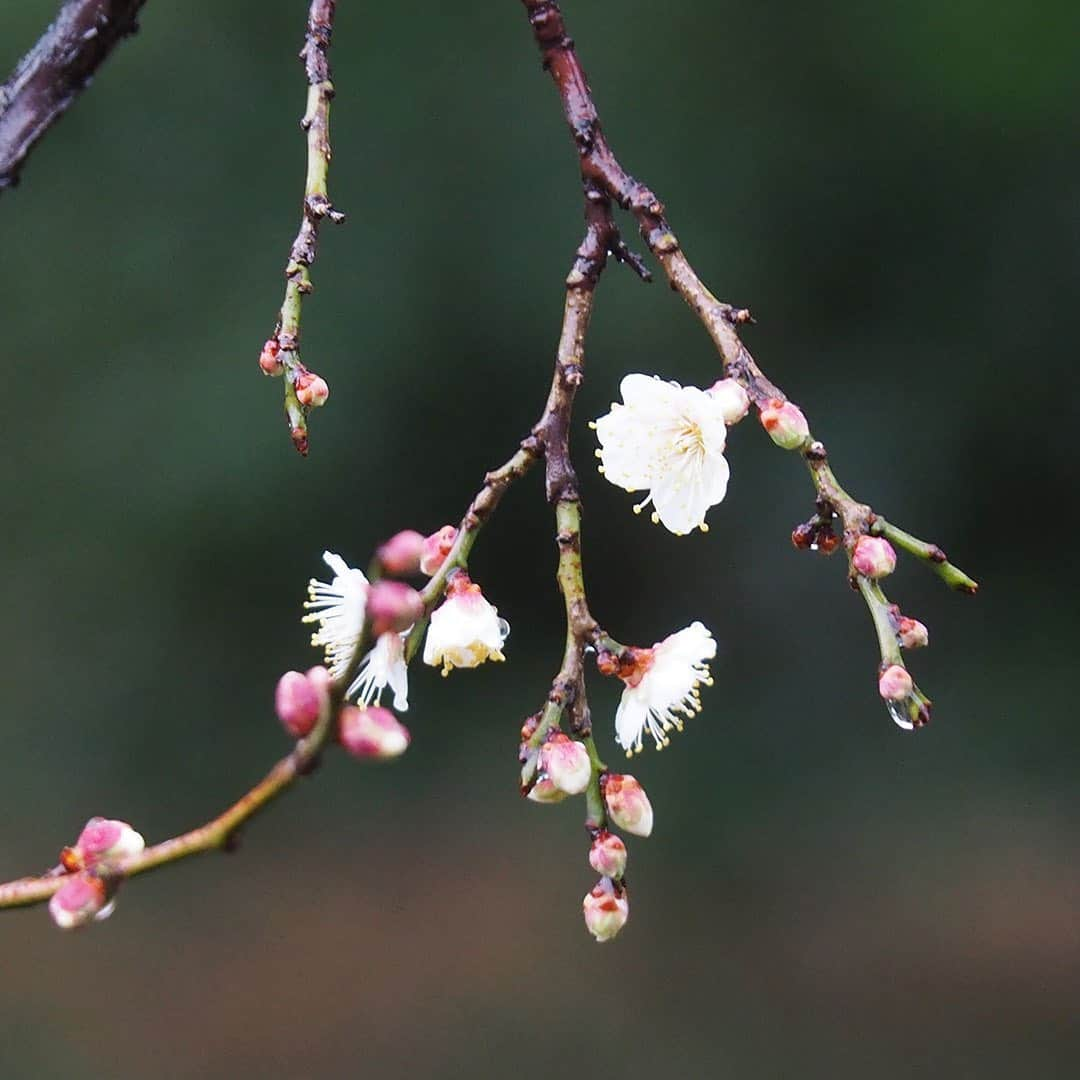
[88, 892]
[819, 533]
[311, 389]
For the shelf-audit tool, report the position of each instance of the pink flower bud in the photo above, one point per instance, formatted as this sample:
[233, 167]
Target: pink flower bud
[436, 547]
[567, 763]
[607, 856]
[873, 557]
[270, 359]
[912, 633]
[392, 606]
[83, 898]
[627, 804]
[785, 423]
[372, 732]
[546, 791]
[733, 400]
[311, 389]
[299, 699]
[894, 683]
[401, 553]
[104, 840]
[606, 909]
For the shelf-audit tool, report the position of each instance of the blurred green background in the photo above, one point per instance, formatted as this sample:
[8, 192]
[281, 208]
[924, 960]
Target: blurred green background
[892, 189]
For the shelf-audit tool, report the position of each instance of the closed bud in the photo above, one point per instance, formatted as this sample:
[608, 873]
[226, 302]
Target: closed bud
[545, 790]
[372, 732]
[401, 553]
[894, 683]
[606, 909]
[873, 557]
[298, 700]
[105, 840]
[270, 358]
[83, 898]
[311, 389]
[607, 856]
[733, 400]
[567, 763]
[785, 423]
[912, 633]
[392, 606]
[436, 547]
[627, 804]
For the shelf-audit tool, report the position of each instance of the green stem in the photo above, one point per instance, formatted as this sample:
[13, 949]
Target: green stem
[930, 554]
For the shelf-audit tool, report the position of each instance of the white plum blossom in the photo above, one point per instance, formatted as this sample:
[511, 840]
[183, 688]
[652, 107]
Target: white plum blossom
[383, 666]
[669, 440]
[465, 630]
[663, 687]
[338, 608]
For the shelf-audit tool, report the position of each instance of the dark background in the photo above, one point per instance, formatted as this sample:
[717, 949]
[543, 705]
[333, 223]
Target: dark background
[892, 188]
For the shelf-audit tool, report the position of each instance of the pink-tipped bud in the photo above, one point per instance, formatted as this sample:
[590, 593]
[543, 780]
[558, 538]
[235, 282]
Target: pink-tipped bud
[873, 557]
[607, 856]
[436, 547]
[627, 804]
[912, 633]
[606, 909]
[103, 840]
[298, 699]
[270, 358]
[567, 763]
[785, 423]
[392, 606]
[311, 389]
[733, 400]
[82, 899]
[401, 553]
[372, 732]
[894, 683]
[545, 791]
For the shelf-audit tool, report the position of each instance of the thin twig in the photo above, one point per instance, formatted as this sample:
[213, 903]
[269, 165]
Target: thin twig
[55, 71]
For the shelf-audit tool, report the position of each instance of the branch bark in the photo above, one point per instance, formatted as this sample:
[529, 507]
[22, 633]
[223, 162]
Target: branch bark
[55, 71]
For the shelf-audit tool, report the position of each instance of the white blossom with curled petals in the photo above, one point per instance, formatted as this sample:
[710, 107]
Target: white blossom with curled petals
[383, 666]
[338, 608]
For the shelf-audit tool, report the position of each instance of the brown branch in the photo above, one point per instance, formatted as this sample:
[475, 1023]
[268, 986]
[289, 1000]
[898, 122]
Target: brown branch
[282, 350]
[55, 71]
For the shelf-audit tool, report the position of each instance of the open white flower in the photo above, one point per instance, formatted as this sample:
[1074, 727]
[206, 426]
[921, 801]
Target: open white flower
[383, 666]
[338, 608]
[465, 630]
[668, 440]
[663, 687]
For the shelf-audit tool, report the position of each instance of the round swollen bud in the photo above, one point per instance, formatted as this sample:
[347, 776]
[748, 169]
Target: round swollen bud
[627, 804]
[372, 732]
[545, 790]
[392, 606]
[311, 389]
[873, 557]
[105, 840]
[298, 700]
[733, 400]
[436, 547]
[607, 856]
[270, 358]
[401, 553]
[894, 683]
[912, 633]
[785, 423]
[566, 763]
[82, 899]
[606, 909]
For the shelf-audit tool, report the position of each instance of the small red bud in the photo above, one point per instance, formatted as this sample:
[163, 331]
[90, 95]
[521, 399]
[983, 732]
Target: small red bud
[298, 700]
[372, 733]
[912, 633]
[311, 389]
[270, 358]
[401, 553]
[392, 606]
[436, 547]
